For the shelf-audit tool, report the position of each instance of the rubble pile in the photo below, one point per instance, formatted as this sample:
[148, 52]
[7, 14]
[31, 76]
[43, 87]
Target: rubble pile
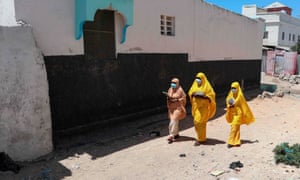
[293, 79]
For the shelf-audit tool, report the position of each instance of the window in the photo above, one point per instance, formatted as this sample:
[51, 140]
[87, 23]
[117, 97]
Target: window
[298, 37]
[290, 36]
[282, 36]
[293, 37]
[266, 34]
[167, 25]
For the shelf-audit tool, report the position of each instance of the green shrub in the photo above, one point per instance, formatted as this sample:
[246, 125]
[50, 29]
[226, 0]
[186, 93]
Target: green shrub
[286, 154]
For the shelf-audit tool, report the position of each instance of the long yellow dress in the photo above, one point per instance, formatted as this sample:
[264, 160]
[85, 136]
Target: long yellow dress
[237, 114]
[203, 108]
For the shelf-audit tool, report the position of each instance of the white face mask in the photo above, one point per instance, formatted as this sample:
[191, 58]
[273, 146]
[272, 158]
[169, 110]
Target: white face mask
[234, 90]
[198, 80]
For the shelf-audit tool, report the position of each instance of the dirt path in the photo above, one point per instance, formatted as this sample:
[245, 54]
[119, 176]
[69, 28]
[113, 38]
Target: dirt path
[139, 155]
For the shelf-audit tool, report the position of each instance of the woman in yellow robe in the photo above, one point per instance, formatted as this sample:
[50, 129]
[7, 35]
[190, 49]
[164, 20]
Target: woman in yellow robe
[202, 97]
[237, 113]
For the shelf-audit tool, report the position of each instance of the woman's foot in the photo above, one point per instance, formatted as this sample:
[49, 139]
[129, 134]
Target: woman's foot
[170, 139]
[230, 146]
[198, 143]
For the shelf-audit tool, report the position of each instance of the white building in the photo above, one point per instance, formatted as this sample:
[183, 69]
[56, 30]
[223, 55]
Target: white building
[282, 31]
[204, 31]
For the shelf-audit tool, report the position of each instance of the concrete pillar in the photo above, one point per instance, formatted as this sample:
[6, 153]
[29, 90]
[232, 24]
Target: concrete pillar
[25, 118]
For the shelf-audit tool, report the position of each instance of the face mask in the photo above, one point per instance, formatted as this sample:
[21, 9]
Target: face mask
[233, 90]
[173, 85]
[198, 80]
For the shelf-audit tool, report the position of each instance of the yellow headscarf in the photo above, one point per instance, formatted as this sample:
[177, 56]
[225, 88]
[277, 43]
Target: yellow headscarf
[208, 91]
[247, 116]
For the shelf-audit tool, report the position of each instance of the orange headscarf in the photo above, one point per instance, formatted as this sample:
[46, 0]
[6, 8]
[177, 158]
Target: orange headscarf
[176, 110]
[247, 116]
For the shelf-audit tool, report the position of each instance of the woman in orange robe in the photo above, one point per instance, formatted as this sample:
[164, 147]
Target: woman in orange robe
[202, 98]
[176, 102]
[237, 113]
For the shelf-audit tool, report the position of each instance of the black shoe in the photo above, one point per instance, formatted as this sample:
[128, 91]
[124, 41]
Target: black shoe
[229, 146]
[176, 136]
[197, 143]
[170, 140]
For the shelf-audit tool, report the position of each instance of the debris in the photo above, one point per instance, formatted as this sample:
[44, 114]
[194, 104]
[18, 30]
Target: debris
[233, 178]
[268, 94]
[154, 133]
[7, 164]
[139, 134]
[217, 172]
[280, 93]
[45, 174]
[182, 155]
[235, 165]
[75, 166]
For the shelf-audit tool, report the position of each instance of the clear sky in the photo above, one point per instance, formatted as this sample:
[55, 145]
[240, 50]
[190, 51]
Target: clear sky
[236, 5]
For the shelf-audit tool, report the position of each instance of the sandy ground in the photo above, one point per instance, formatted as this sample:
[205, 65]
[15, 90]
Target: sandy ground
[131, 152]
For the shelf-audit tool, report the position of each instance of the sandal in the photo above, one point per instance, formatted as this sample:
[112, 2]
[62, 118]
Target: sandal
[170, 139]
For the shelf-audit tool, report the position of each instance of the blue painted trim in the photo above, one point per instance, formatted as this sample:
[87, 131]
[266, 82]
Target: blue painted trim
[85, 11]
[80, 16]
[124, 33]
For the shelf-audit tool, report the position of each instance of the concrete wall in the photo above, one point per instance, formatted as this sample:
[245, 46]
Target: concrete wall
[25, 123]
[7, 13]
[53, 25]
[197, 29]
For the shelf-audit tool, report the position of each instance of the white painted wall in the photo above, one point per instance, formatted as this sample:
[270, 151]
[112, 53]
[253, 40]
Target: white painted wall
[25, 119]
[273, 35]
[145, 35]
[53, 25]
[249, 10]
[204, 31]
[7, 13]
[221, 34]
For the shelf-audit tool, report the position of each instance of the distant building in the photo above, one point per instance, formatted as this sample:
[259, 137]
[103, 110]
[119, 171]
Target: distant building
[282, 31]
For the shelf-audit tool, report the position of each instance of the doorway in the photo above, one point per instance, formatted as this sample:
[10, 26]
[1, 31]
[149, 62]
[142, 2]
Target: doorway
[99, 36]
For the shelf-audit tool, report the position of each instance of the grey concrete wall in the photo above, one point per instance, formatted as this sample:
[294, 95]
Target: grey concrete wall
[25, 119]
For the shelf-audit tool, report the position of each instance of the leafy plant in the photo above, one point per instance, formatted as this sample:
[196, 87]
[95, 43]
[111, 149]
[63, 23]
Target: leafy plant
[286, 154]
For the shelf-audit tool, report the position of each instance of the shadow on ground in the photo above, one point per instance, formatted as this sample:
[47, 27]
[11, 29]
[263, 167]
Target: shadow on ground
[109, 140]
